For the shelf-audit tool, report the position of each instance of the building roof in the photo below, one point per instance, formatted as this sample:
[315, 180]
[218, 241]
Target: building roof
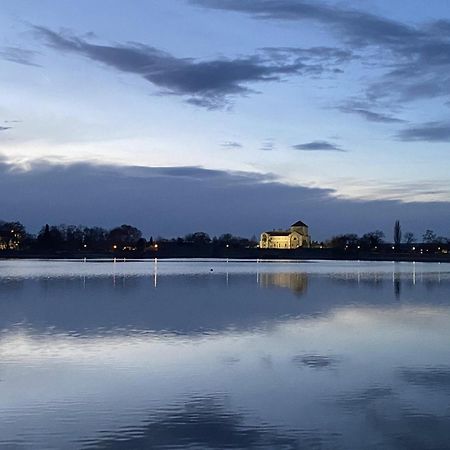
[299, 224]
[278, 233]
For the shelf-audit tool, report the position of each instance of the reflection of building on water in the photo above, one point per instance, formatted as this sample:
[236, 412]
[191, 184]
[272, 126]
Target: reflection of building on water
[295, 281]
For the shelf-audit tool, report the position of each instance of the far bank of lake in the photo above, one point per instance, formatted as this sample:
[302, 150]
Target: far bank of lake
[423, 254]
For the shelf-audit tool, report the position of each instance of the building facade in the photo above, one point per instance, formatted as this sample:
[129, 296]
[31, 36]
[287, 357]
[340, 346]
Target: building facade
[297, 236]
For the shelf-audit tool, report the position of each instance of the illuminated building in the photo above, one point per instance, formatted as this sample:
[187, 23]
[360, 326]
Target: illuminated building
[297, 236]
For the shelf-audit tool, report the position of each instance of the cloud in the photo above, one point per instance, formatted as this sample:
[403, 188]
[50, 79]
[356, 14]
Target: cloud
[268, 145]
[19, 56]
[4, 128]
[359, 28]
[369, 115]
[415, 59]
[318, 146]
[173, 201]
[429, 132]
[202, 83]
[328, 56]
[231, 144]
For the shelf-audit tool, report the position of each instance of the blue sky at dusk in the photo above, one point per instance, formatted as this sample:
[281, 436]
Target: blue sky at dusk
[226, 115]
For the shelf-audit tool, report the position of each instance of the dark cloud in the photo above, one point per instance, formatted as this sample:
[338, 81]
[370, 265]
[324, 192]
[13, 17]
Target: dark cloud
[202, 83]
[4, 128]
[323, 57]
[173, 201]
[358, 27]
[429, 132]
[318, 146]
[18, 55]
[415, 59]
[231, 144]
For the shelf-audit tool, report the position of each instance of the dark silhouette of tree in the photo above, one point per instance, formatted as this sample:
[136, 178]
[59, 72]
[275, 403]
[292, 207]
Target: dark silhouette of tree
[141, 244]
[124, 236]
[95, 238]
[344, 240]
[50, 238]
[371, 239]
[198, 238]
[397, 233]
[429, 237]
[409, 238]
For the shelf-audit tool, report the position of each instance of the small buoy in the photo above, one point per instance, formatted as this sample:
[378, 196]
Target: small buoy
[211, 270]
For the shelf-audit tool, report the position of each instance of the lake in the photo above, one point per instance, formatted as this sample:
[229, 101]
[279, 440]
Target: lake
[176, 354]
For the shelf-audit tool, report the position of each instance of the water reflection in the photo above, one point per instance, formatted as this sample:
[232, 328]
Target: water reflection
[247, 355]
[207, 423]
[296, 282]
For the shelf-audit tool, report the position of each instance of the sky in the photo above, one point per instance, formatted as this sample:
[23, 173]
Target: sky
[226, 115]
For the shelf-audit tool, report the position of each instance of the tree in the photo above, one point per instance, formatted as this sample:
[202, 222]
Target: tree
[50, 238]
[397, 233]
[95, 238]
[409, 237]
[429, 237]
[124, 236]
[372, 239]
[141, 244]
[343, 240]
[198, 238]
[12, 235]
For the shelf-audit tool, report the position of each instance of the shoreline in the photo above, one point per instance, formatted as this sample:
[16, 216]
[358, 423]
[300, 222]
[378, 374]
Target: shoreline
[235, 254]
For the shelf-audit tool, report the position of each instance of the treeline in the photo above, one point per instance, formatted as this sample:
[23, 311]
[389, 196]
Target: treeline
[127, 238]
[124, 238]
[375, 240]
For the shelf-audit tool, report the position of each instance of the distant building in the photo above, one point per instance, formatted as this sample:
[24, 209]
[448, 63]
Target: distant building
[297, 236]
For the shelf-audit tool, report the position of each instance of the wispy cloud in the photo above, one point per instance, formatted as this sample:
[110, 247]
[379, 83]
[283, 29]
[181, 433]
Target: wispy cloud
[358, 27]
[207, 84]
[429, 132]
[268, 145]
[4, 128]
[19, 56]
[415, 59]
[231, 144]
[369, 115]
[318, 146]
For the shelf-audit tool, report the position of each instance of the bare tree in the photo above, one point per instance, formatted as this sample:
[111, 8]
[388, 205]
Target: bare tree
[409, 238]
[429, 237]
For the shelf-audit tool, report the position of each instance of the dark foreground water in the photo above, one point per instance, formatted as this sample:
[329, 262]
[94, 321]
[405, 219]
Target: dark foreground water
[143, 355]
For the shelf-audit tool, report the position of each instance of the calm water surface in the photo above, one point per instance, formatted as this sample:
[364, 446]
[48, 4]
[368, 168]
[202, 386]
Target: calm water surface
[172, 354]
